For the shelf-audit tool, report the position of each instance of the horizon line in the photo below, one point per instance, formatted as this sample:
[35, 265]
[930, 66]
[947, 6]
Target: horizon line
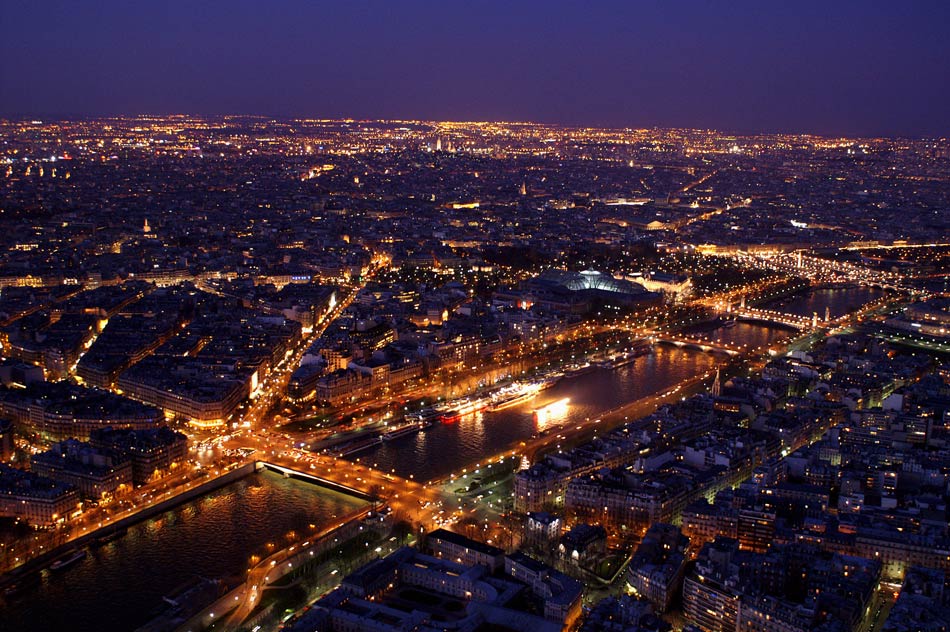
[45, 118]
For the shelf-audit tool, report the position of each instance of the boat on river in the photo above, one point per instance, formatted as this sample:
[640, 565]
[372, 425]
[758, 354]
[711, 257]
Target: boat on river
[68, 560]
[513, 395]
[403, 430]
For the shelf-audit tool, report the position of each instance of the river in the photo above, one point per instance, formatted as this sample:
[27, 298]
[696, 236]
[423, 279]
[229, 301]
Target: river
[838, 299]
[447, 448]
[118, 585]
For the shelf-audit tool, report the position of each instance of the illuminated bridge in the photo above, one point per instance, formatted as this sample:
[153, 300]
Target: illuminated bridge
[781, 318]
[702, 345]
[316, 480]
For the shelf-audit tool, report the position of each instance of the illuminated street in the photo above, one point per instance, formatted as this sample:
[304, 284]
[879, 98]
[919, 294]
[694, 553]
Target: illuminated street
[431, 317]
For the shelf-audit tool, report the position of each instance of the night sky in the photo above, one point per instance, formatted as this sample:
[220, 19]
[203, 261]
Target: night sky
[831, 67]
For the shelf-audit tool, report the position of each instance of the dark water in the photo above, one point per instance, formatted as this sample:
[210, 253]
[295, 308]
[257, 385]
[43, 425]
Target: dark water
[446, 448]
[838, 300]
[117, 586]
[750, 335]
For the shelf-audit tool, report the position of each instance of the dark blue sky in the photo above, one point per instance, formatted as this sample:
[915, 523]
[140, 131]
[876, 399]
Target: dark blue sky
[863, 67]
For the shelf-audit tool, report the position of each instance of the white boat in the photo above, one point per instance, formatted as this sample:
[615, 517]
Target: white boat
[511, 400]
[513, 395]
[640, 348]
[402, 431]
[453, 410]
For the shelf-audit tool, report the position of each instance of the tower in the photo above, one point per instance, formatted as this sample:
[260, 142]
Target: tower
[438, 144]
[716, 386]
[146, 229]
[524, 188]
[827, 313]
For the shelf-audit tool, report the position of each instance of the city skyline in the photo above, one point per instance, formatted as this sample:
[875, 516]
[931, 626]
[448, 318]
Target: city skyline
[331, 370]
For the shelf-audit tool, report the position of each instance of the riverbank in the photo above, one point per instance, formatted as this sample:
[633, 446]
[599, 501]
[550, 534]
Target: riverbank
[215, 537]
[238, 604]
[40, 562]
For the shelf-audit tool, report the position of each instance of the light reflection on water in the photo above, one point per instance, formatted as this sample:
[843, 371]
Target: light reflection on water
[447, 448]
[119, 584]
[554, 415]
[838, 300]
